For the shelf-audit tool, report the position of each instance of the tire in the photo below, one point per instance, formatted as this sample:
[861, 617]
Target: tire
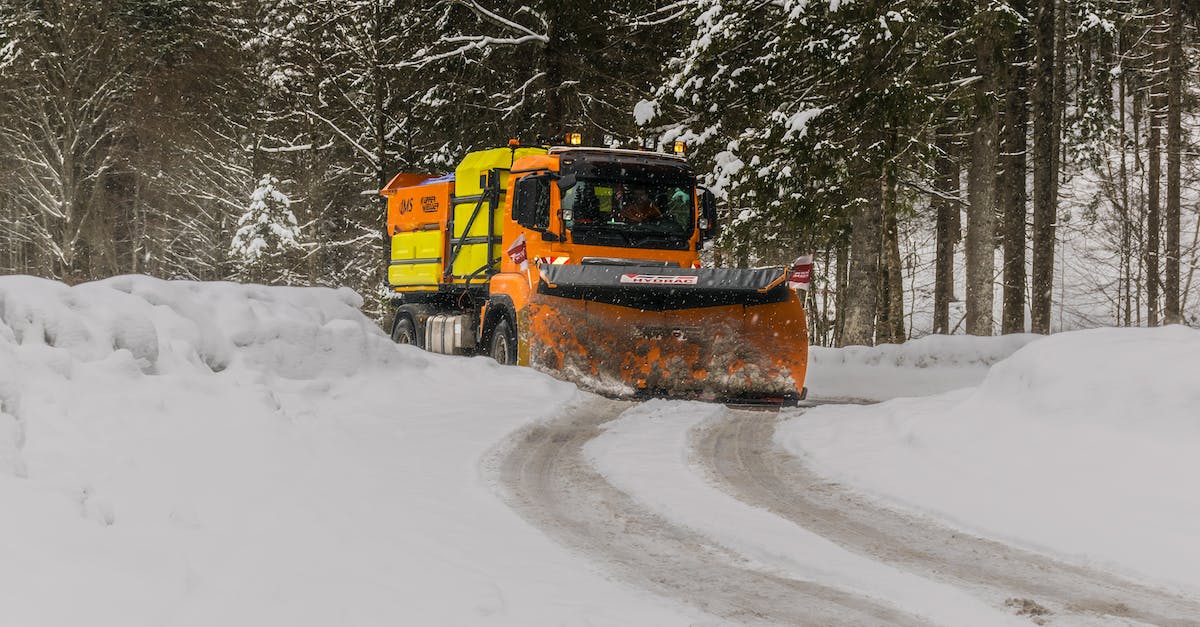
[405, 332]
[503, 344]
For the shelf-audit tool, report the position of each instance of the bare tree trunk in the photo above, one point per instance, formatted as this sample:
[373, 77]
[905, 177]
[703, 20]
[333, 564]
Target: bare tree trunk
[383, 167]
[816, 302]
[889, 326]
[894, 274]
[1045, 166]
[8, 244]
[861, 295]
[895, 278]
[981, 187]
[948, 233]
[43, 261]
[1154, 182]
[1173, 313]
[1012, 182]
[843, 282]
[137, 230]
[1126, 253]
[67, 233]
[316, 165]
[1138, 285]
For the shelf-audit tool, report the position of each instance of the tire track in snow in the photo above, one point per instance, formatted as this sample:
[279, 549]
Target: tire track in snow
[739, 453]
[545, 477]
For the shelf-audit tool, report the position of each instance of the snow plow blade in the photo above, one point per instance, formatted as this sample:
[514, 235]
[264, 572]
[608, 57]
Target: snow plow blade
[725, 335]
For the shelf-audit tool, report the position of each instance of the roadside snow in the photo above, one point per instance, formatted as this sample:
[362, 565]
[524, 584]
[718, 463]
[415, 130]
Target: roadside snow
[645, 454]
[929, 365]
[176, 453]
[1082, 445]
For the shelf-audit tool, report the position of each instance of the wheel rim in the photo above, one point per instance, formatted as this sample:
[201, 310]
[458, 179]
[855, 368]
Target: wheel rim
[500, 348]
[404, 334]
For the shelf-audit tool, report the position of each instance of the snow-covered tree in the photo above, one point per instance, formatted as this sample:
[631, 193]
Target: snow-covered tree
[810, 118]
[267, 239]
[129, 130]
[507, 68]
[67, 75]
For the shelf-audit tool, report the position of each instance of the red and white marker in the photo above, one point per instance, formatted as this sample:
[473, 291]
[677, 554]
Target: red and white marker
[800, 276]
[517, 253]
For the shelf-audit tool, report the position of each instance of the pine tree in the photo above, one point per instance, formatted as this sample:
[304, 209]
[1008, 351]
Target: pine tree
[808, 117]
[268, 236]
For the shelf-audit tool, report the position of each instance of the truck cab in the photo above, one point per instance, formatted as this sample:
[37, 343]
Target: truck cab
[577, 205]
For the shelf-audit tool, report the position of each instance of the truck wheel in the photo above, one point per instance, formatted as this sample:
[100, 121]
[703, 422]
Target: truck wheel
[405, 332]
[503, 347]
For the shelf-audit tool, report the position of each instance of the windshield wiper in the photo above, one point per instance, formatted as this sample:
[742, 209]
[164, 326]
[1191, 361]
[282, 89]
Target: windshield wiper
[598, 233]
[662, 239]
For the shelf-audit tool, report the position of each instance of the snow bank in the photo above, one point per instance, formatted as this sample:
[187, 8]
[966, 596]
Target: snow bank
[177, 453]
[1082, 445]
[928, 365]
[166, 326]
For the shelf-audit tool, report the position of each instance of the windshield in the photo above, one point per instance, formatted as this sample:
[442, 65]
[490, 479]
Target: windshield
[630, 213]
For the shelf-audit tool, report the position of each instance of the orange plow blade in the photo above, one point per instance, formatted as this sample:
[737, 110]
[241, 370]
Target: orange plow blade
[723, 335]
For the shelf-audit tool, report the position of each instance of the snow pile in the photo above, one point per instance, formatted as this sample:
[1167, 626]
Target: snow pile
[929, 365]
[1082, 445]
[1135, 380]
[165, 327]
[177, 453]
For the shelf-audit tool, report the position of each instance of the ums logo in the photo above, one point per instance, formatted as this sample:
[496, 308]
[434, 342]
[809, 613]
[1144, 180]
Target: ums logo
[429, 204]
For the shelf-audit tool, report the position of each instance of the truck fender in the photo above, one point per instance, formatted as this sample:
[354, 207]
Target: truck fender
[498, 305]
[418, 314]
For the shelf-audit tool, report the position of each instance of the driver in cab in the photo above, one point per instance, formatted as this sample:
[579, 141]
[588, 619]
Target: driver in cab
[637, 206]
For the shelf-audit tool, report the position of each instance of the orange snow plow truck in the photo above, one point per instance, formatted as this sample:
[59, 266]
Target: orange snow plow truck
[584, 263]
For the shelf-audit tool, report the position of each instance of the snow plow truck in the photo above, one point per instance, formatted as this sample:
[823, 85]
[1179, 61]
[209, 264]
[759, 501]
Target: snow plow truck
[584, 263]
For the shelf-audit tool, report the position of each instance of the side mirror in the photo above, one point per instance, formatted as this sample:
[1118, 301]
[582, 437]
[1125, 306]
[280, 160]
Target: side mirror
[709, 227]
[531, 201]
[567, 182]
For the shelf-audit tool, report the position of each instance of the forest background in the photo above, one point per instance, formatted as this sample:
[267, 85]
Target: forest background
[957, 167]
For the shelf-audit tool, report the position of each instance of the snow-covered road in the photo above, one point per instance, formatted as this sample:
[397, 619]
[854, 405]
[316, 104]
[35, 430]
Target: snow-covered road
[698, 503]
[740, 453]
[549, 480]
